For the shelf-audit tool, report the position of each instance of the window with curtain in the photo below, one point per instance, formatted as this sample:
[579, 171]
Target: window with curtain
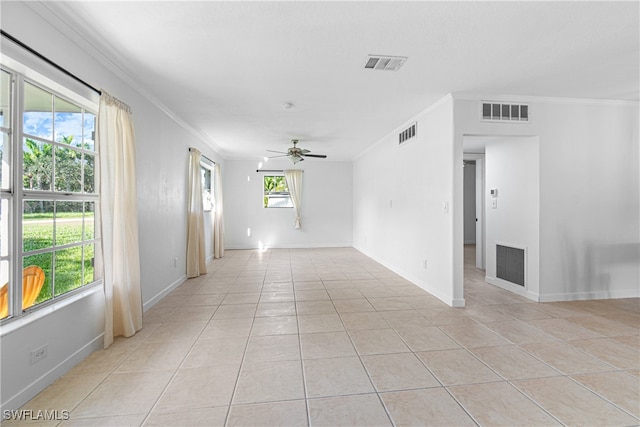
[206, 173]
[49, 194]
[276, 192]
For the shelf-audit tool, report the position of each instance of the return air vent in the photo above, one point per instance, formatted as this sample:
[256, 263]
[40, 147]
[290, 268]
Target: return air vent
[498, 111]
[408, 133]
[387, 63]
[510, 264]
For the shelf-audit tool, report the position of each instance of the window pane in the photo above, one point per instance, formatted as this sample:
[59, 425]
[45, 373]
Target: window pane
[67, 122]
[5, 159]
[68, 170]
[38, 165]
[4, 229]
[5, 99]
[89, 176]
[68, 223]
[89, 262]
[89, 220]
[38, 114]
[4, 289]
[37, 225]
[44, 261]
[68, 270]
[89, 130]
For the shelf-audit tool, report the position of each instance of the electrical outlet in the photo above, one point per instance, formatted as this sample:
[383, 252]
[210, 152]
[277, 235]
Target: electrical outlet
[38, 354]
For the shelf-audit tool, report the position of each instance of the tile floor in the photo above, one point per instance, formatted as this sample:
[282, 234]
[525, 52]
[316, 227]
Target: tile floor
[328, 337]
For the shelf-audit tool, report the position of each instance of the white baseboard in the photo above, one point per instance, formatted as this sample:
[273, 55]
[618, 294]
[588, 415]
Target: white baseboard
[516, 289]
[292, 246]
[447, 299]
[31, 390]
[156, 299]
[580, 296]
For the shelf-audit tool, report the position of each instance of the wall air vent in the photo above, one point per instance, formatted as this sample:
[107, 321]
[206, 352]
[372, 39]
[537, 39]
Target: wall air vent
[501, 112]
[510, 264]
[387, 63]
[408, 133]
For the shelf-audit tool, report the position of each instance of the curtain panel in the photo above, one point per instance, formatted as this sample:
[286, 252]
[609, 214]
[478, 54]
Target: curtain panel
[119, 219]
[294, 182]
[196, 257]
[218, 218]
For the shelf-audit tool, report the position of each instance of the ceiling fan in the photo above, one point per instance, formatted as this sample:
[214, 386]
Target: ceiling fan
[296, 154]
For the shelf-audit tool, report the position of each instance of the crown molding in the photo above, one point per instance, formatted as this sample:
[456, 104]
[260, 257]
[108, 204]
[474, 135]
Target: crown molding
[479, 96]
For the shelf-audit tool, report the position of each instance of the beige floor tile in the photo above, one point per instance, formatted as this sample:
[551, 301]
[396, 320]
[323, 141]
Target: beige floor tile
[473, 335]
[519, 332]
[285, 286]
[326, 344]
[216, 352]
[378, 341]
[241, 298]
[103, 361]
[291, 413]
[223, 328]
[193, 313]
[513, 363]
[427, 407]
[380, 291]
[338, 284]
[172, 301]
[123, 394]
[287, 308]
[364, 320]
[610, 351]
[315, 307]
[204, 300]
[335, 377]
[235, 311]
[604, 326]
[500, 404]
[363, 410]
[630, 341]
[311, 295]
[269, 382]
[446, 316]
[402, 319]
[177, 331]
[158, 314]
[194, 388]
[400, 371]
[563, 329]
[65, 394]
[277, 297]
[133, 420]
[241, 288]
[349, 293]
[391, 303]
[275, 325]
[524, 312]
[274, 348]
[311, 323]
[206, 417]
[573, 404]
[426, 338]
[308, 286]
[452, 367]
[617, 387]
[156, 356]
[566, 358]
[352, 305]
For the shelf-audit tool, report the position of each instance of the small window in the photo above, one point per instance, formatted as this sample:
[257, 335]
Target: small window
[276, 192]
[207, 194]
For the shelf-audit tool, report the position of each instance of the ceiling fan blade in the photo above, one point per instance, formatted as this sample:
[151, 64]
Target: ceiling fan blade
[320, 156]
[282, 155]
[279, 152]
[304, 151]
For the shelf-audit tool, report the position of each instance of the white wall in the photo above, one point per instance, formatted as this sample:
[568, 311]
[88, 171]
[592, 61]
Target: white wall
[470, 204]
[73, 331]
[513, 168]
[400, 194]
[589, 192]
[326, 211]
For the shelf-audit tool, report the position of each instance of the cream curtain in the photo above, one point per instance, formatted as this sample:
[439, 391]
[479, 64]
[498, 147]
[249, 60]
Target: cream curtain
[218, 219]
[196, 257]
[294, 182]
[119, 219]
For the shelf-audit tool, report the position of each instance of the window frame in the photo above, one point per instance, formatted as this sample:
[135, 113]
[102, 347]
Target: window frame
[17, 194]
[266, 195]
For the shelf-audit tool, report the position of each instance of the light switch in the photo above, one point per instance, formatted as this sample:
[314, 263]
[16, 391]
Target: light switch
[494, 204]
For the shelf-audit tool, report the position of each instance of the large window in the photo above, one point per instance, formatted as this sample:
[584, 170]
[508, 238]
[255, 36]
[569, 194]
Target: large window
[49, 195]
[207, 186]
[276, 192]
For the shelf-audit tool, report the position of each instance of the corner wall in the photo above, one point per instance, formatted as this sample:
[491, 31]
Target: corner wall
[403, 210]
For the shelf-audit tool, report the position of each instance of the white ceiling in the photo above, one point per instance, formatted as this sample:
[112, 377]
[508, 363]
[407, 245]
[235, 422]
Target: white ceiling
[226, 68]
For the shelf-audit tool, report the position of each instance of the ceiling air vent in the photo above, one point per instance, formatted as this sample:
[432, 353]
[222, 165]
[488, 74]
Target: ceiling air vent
[388, 63]
[407, 134]
[499, 111]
